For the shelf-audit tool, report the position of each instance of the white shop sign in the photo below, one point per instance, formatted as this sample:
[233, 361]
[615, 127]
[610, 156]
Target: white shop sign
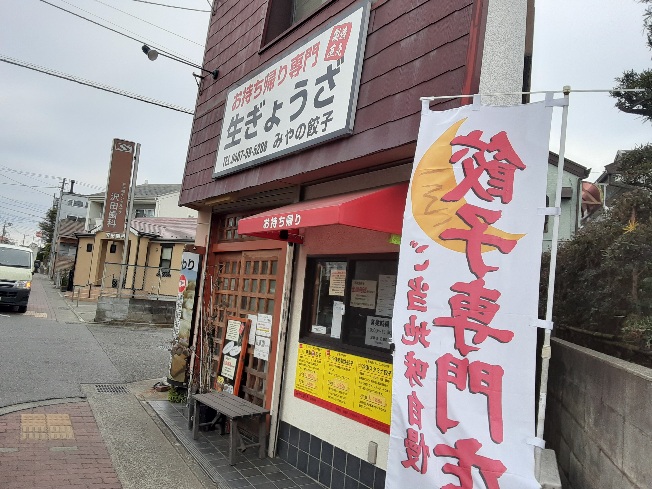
[306, 97]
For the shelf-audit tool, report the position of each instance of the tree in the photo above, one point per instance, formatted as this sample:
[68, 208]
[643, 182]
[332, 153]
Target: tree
[603, 281]
[638, 103]
[47, 226]
[635, 167]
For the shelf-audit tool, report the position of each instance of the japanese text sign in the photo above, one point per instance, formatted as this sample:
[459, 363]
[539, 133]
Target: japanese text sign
[117, 187]
[306, 97]
[467, 293]
[355, 387]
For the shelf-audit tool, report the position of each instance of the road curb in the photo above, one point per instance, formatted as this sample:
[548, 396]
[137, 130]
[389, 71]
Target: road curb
[36, 404]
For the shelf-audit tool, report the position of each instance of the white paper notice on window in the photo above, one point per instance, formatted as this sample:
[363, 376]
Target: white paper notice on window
[264, 325]
[386, 294]
[363, 294]
[252, 329]
[378, 331]
[261, 348]
[233, 330]
[337, 282]
[336, 325]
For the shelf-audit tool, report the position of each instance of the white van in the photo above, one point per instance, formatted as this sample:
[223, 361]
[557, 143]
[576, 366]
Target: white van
[16, 265]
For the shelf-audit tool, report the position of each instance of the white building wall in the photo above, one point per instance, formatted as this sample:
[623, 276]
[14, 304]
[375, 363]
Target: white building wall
[168, 206]
[93, 214]
[568, 220]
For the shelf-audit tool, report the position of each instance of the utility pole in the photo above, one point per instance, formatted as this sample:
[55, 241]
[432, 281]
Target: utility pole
[4, 230]
[55, 236]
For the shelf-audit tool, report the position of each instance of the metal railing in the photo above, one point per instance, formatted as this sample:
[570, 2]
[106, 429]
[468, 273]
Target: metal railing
[139, 281]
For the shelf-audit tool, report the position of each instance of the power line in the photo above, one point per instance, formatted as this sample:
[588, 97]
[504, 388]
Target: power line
[30, 175]
[176, 55]
[88, 83]
[23, 204]
[41, 175]
[172, 6]
[143, 20]
[32, 186]
[22, 184]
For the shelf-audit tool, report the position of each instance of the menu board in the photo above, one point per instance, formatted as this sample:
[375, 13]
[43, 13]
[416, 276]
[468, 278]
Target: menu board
[356, 387]
[231, 355]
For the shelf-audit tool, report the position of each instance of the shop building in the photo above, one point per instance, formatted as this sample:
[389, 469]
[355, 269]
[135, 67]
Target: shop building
[298, 164]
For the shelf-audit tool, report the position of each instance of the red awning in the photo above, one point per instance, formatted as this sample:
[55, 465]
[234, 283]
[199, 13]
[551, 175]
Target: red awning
[378, 210]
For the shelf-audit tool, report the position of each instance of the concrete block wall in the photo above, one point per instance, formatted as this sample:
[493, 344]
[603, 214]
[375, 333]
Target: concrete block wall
[116, 310]
[599, 419]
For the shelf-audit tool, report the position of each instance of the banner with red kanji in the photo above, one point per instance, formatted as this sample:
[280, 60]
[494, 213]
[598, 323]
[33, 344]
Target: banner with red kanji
[463, 390]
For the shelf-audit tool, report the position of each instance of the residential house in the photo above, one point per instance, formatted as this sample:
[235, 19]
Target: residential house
[73, 206]
[153, 258]
[66, 246]
[571, 198]
[149, 200]
[607, 187]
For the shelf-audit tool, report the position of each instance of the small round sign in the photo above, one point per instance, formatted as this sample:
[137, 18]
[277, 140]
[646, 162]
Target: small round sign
[183, 283]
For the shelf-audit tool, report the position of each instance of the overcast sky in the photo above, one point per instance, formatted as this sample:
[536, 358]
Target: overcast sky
[52, 129]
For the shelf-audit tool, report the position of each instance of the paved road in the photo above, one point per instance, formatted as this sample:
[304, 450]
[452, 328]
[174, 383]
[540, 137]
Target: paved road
[48, 352]
[87, 437]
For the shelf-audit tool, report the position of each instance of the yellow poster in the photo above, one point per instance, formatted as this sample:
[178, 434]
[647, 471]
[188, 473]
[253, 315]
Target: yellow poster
[339, 379]
[356, 387]
[374, 382]
[310, 370]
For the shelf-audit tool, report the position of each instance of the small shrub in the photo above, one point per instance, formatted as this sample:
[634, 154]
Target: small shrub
[177, 395]
[638, 330]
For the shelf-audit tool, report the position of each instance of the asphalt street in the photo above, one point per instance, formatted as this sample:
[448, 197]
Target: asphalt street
[49, 357]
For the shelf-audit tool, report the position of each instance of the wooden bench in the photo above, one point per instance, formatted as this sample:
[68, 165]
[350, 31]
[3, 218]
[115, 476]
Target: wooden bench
[234, 409]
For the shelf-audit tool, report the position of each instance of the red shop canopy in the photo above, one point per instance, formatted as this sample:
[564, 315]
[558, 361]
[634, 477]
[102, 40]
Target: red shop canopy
[378, 210]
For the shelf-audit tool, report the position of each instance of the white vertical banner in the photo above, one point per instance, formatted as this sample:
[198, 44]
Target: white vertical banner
[466, 301]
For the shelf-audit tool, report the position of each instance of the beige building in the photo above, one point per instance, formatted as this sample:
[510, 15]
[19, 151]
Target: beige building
[152, 263]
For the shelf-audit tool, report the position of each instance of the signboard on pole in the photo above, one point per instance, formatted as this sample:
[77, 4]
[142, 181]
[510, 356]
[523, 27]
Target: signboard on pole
[306, 97]
[184, 312]
[116, 201]
[465, 312]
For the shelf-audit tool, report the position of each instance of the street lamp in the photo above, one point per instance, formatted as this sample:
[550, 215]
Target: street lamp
[152, 54]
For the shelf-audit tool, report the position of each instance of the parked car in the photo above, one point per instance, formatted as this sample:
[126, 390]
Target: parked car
[16, 265]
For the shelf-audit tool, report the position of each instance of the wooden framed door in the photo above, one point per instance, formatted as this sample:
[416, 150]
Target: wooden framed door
[249, 283]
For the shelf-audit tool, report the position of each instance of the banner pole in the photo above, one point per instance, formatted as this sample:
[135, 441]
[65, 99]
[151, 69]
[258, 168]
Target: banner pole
[545, 350]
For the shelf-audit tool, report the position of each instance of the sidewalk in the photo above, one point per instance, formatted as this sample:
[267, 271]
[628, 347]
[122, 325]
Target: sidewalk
[120, 436]
[49, 300]
[111, 439]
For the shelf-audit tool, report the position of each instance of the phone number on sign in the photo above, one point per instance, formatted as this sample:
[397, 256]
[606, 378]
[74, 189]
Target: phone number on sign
[245, 154]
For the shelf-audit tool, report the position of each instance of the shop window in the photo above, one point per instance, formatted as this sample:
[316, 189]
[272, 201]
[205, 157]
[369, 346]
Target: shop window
[166, 260]
[348, 304]
[283, 14]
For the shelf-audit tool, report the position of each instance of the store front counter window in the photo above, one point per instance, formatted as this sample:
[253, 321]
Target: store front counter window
[348, 304]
